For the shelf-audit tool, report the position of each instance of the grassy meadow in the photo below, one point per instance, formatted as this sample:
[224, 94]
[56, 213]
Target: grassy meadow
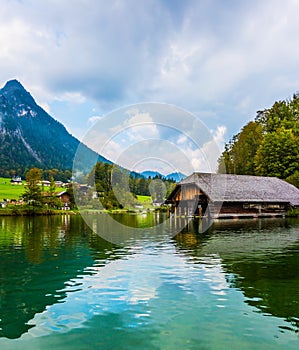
[144, 199]
[9, 191]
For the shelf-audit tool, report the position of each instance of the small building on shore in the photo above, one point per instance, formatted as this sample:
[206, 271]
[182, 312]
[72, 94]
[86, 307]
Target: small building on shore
[230, 196]
[45, 183]
[65, 198]
[16, 180]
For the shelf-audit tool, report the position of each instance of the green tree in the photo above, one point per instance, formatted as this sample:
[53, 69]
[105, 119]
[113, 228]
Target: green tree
[278, 154]
[225, 162]
[294, 179]
[33, 191]
[157, 190]
[52, 188]
[238, 155]
[142, 187]
[268, 146]
[245, 148]
[282, 114]
[52, 200]
[70, 190]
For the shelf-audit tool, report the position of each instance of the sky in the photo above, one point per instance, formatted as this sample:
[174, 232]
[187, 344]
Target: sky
[220, 60]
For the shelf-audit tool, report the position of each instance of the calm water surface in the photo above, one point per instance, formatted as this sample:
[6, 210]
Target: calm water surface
[233, 287]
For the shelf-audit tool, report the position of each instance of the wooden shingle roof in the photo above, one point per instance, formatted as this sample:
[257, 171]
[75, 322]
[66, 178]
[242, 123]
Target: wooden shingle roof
[244, 188]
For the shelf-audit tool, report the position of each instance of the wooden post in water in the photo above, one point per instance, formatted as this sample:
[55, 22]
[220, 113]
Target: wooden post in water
[199, 211]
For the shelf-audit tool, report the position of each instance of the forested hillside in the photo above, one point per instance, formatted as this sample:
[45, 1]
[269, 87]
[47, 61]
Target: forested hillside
[30, 137]
[118, 187]
[267, 146]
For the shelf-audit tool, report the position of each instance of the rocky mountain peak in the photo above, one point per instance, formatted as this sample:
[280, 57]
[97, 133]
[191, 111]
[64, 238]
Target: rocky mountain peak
[14, 91]
[13, 84]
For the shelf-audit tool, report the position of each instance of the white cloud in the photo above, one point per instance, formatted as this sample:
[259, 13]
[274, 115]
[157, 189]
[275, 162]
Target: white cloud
[218, 135]
[112, 150]
[141, 126]
[202, 157]
[129, 126]
[94, 119]
[73, 97]
[227, 60]
[182, 139]
[156, 136]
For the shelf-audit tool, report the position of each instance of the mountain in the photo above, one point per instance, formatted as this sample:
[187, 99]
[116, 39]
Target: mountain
[177, 177]
[30, 137]
[151, 174]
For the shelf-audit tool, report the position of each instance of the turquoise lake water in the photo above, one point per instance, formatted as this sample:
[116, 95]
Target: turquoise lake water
[235, 286]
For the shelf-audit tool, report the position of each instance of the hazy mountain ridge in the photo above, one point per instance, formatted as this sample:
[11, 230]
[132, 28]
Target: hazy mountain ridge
[176, 176]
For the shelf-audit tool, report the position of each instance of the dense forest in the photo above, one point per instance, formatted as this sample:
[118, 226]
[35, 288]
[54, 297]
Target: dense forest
[267, 146]
[117, 187]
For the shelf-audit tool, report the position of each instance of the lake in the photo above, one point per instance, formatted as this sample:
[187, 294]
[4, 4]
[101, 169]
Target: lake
[234, 286]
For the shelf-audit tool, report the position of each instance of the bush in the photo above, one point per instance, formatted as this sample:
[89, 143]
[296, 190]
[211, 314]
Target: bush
[293, 212]
[294, 179]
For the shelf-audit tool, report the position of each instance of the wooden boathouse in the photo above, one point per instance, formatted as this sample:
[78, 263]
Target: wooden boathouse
[230, 196]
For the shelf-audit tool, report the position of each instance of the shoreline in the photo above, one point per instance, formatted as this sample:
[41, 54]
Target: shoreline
[49, 212]
[36, 212]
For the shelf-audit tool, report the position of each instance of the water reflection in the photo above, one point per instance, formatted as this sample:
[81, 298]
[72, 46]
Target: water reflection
[60, 279]
[38, 255]
[258, 257]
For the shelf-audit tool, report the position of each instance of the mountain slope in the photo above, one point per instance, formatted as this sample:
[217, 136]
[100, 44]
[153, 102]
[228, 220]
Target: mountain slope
[30, 137]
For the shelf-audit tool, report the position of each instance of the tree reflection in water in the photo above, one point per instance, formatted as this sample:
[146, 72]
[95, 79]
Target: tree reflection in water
[259, 257]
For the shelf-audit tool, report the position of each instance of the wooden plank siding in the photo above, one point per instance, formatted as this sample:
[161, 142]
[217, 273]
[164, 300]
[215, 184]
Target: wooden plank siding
[187, 192]
[187, 199]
